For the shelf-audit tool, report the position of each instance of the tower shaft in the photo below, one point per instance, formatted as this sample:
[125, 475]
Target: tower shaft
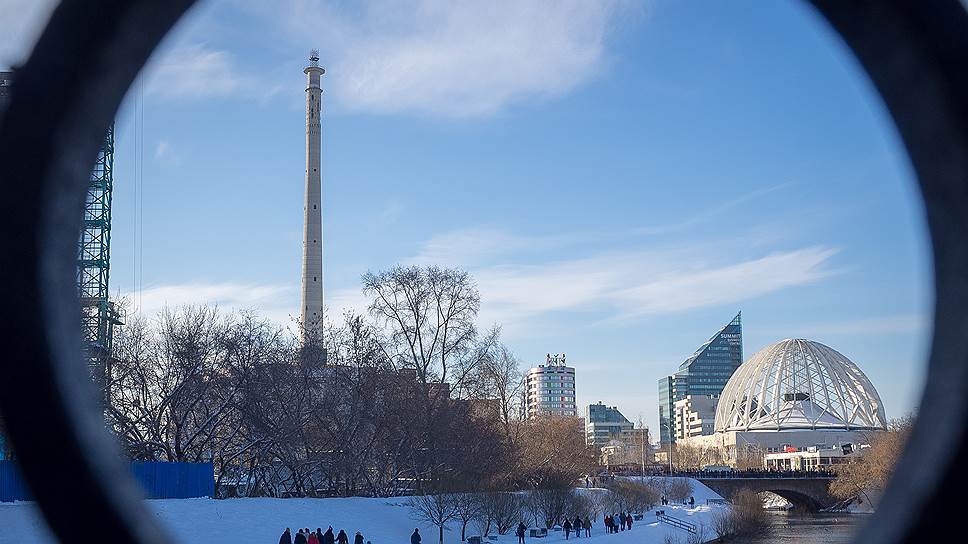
[312, 273]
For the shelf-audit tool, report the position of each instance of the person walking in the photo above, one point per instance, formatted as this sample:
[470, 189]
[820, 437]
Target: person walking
[328, 536]
[358, 539]
[415, 537]
[567, 528]
[577, 526]
[608, 524]
[341, 538]
[628, 520]
[588, 526]
[286, 537]
[313, 539]
[319, 535]
[300, 538]
[520, 532]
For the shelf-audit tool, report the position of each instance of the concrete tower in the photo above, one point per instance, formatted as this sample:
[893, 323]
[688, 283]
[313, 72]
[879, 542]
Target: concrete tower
[312, 273]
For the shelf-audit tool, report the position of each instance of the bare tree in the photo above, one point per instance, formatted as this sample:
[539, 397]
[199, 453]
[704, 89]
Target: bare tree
[629, 496]
[436, 508]
[501, 508]
[678, 489]
[873, 470]
[550, 506]
[555, 453]
[427, 317]
[468, 507]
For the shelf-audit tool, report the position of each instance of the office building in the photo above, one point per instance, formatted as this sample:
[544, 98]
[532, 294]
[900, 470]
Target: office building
[705, 373]
[603, 423]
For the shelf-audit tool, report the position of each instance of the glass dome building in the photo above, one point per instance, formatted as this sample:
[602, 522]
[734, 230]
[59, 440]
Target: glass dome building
[799, 385]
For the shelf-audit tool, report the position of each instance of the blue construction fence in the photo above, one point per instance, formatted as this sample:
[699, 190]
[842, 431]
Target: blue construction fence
[158, 480]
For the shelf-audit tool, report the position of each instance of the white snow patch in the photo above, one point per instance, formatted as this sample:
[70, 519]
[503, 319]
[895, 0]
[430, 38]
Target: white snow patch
[382, 521]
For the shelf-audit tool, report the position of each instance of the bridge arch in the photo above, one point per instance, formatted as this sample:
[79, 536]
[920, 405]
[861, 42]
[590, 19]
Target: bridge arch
[811, 493]
[797, 498]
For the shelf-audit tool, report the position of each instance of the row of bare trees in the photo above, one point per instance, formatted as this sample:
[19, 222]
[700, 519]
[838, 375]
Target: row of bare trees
[410, 398]
[544, 506]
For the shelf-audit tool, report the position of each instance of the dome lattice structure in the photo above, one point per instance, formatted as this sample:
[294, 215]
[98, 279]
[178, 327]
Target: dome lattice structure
[799, 385]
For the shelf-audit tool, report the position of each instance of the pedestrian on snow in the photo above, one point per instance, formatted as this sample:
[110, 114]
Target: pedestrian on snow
[341, 538]
[578, 526]
[319, 535]
[520, 532]
[358, 539]
[567, 528]
[328, 536]
[628, 520]
[608, 524]
[623, 519]
[286, 537]
[588, 526]
[313, 539]
[300, 538]
[415, 537]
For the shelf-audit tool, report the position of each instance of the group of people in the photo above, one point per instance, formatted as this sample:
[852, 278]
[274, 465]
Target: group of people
[620, 522]
[577, 526]
[305, 536]
[691, 502]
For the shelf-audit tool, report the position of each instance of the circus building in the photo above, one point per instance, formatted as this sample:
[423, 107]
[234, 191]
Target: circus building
[794, 395]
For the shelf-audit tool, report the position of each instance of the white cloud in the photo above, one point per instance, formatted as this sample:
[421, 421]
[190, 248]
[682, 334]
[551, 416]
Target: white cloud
[21, 22]
[166, 153]
[162, 149]
[194, 71]
[635, 283]
[613, 284]
[273, 301]
[680, 290]
[455, 59]
[277, 302]
[474, 245]
[340, 301]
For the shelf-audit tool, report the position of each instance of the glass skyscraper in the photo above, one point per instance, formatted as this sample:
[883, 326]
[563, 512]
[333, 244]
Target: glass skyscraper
[704, 373]
[603, 423]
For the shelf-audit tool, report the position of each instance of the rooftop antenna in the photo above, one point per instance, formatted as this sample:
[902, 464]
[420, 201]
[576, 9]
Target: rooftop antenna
[314, 57]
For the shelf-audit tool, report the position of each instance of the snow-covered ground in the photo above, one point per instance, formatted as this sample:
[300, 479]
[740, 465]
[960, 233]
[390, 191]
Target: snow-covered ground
[382, 521]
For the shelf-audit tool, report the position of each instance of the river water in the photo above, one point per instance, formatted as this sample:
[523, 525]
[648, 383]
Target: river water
[808, 529]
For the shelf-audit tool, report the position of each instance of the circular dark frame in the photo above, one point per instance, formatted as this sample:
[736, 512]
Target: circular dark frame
[66, 95]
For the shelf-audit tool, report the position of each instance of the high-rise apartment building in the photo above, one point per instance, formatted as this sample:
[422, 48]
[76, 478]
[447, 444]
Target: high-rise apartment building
[695, 415]
[603, 423]
[705, 373]
[550, 389]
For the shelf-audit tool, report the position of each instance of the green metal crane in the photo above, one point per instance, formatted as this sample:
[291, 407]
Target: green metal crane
[98, 313]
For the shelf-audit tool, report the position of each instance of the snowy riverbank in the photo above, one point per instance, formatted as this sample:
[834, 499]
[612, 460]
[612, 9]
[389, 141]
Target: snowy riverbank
[382, 521]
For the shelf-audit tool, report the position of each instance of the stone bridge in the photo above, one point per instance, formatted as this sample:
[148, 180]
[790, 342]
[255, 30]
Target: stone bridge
[812, 492]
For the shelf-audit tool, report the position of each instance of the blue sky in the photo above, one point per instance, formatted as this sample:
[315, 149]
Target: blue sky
[620, 177]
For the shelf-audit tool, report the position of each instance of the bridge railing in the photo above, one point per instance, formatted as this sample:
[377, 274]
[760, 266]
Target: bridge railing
[678, 523]
[758, 475]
